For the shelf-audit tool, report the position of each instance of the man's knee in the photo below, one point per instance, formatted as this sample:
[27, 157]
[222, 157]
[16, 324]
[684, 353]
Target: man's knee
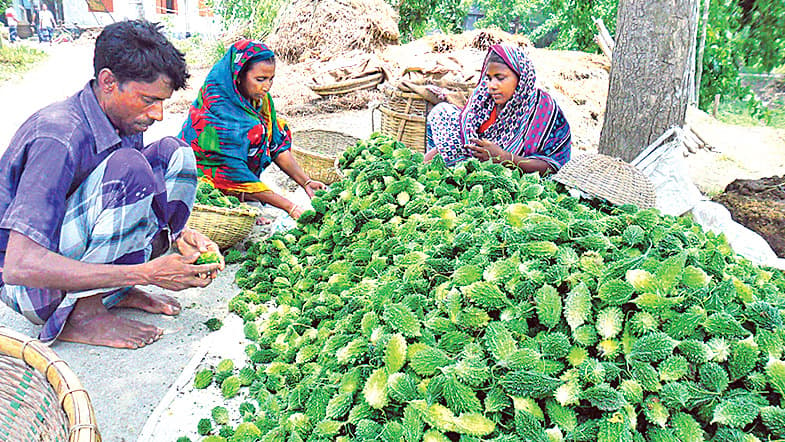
[128, 177]
[170, 152]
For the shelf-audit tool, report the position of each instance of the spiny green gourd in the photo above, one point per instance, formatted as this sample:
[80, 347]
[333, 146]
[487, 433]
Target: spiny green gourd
[508, 294]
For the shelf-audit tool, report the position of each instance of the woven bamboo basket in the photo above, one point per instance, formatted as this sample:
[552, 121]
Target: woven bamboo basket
[41, 399]
[403, 117]
[346, 86]
[608, 178]
[316, 165]
[226, 226]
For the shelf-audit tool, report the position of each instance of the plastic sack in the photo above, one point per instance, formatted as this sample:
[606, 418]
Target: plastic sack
[664, 165]
[716, 218]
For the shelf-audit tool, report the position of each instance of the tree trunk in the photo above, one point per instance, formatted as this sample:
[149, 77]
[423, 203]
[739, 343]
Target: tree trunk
[651, 73]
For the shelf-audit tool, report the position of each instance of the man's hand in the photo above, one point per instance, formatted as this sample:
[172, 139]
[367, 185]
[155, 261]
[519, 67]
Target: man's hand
[193, 241]
[177, 272]
[484, 150]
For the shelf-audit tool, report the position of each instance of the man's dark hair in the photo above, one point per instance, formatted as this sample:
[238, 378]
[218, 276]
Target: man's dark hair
[136, 50]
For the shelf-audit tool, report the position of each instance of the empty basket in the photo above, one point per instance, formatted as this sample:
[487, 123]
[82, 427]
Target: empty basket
[41, 399]
[306, 147]
[608, 178]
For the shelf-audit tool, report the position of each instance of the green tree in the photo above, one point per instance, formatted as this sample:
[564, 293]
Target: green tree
[419, 16]
[766, 43]
[724, 53]
[506, 14]
[258, 14]
[569, 20]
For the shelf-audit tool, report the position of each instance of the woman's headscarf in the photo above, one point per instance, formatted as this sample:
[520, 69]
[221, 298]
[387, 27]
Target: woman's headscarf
[530, 124]
[234, 141]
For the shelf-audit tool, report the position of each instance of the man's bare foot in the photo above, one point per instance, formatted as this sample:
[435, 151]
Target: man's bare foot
[149, 302]
[90, 323]
[261, 221]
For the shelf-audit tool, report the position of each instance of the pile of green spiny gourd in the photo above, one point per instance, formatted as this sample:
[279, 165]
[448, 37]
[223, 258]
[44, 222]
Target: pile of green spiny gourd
[421, 303]
[208, 195]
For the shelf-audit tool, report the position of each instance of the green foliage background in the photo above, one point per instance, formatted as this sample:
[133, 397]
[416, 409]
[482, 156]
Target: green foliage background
[734, 40]
[723, 54]
[259, 15]
[765, 46]
[419, 16]
[559, 24]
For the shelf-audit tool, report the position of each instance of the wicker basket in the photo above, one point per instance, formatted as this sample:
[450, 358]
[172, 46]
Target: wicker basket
[225, 226]
[41, 399]
[319, 166]
[403, 117]
[346, 86]
[609, 178]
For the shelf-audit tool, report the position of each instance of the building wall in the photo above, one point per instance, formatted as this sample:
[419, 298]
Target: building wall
[186, 20]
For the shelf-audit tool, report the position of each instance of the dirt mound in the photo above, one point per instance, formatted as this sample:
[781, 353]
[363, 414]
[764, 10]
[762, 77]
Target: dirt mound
[579, 83]
[760, 206]
[325, 28]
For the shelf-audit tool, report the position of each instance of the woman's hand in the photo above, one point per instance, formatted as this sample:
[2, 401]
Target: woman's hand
[484, 150]
[295, 211]
[311, 186]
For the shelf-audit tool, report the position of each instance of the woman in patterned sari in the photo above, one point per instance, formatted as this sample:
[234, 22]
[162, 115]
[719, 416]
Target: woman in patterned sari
[235, 132]
[506, 120]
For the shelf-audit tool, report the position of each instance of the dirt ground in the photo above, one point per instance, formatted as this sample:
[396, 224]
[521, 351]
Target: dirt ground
[759, 205]
[126, 386]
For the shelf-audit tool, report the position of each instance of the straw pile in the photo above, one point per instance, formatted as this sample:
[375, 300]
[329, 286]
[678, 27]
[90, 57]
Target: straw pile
[325, 28]
[482, 39]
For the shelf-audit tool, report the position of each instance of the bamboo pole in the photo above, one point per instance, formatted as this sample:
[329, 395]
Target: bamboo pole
[701, 47]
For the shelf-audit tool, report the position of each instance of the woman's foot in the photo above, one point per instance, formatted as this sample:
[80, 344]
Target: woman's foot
[150, 302]
[262, 221]
[92, 324]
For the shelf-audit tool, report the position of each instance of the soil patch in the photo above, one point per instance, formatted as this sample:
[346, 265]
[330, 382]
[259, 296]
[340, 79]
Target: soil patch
[759, 205]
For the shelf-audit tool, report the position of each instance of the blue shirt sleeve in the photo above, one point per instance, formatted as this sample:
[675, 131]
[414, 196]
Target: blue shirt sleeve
[38, 207]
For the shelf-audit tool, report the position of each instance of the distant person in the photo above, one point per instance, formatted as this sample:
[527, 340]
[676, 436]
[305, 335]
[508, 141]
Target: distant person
[12, 21]
[506, 120]
[235, 132]
[46, 24]
[87, 211]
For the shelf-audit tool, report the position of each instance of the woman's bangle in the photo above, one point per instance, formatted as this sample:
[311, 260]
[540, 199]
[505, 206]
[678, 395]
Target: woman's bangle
[307, 182]
[294, 207]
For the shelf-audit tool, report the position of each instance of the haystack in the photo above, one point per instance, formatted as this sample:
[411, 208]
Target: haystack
[325, 28]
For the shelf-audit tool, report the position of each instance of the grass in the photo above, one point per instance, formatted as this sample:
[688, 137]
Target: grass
[17, 59]
[738, 113]
[200, 51]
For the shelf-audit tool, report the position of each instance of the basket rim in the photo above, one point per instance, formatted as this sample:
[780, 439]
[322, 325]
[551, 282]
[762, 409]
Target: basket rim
[341, 87]
[236, 211]
[416, 118]
[631, 186]
[310, 152]
[393, 89]
[71, 394]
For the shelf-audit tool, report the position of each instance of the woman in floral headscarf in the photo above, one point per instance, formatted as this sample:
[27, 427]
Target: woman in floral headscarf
[506, 120]
[235, 132]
